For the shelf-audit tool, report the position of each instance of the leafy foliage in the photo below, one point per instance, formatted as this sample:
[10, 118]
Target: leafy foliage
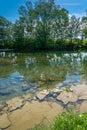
[67, 121]
[43, 25]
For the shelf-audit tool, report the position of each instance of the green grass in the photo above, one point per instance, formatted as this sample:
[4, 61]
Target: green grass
[67, 121]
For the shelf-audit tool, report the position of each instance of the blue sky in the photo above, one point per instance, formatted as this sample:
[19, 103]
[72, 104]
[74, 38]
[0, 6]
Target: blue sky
[9, 8]
[76, 7]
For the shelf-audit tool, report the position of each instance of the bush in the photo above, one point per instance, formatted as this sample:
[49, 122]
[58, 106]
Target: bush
[70, 121]
[67, 121]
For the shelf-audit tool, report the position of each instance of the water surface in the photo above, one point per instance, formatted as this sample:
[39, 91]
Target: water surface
[22, 73]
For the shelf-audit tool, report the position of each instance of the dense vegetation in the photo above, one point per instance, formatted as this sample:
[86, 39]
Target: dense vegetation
[67, 121]
[43, 25]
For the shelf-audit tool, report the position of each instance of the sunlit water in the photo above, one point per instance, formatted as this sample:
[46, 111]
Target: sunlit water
[29, 73]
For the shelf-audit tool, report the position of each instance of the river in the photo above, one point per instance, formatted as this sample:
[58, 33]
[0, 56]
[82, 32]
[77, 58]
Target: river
[22, 73]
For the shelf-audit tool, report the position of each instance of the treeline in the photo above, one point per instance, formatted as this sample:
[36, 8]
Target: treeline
[43, 25]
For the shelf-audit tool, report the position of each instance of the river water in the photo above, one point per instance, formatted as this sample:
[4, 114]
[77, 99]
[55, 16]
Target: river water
[22, 73]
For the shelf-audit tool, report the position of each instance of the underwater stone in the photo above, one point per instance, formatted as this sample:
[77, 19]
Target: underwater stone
[55, 90]
[4, 121]
[41, 95]
[6, 92]
[83, 107]
[15, 103]
[25, 87]
[83, 96]
[55, 95]
[66, 97]
[1, 107]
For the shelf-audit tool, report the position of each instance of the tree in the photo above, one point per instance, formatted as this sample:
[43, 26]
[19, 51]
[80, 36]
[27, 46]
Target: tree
[84, 27]
[74, 28]
[18, 34]
[27, 14]
[59, 26]
[4, 25]
[43, 21]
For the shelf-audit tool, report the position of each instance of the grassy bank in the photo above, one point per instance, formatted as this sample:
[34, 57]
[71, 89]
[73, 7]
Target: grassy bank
[67, 121]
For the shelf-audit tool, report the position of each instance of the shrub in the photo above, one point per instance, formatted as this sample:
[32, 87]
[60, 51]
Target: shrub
[67, 121]
[70, 121]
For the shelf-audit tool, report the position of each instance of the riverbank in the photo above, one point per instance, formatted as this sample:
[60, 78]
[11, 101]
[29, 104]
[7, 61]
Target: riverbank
[25, 112]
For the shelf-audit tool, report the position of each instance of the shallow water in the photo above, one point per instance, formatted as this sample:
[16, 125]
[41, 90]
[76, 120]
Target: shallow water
[22, 73]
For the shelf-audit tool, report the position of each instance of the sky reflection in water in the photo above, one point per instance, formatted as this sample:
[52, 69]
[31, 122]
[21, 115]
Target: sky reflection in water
[27, 73]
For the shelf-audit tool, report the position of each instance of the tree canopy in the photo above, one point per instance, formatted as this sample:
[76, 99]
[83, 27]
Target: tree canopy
[43, 25]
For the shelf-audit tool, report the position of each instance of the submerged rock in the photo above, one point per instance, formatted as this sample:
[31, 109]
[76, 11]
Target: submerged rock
[54, 95]
[55, 90]
[83, 107]
[83, 96]
[15, 103]
[26, 86]
[33, 113]
[1, 107]
[41, 83]
[66, 97]
[41, 95]
[79, 89]
[27, 97]
[6, 92]
[4, 121]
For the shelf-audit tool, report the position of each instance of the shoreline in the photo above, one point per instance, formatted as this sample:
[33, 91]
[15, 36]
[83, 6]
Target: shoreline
[27, 111]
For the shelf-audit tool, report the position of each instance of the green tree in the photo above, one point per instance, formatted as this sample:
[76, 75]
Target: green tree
[59, 26]
[84, 27]
[74, 28]
[44, 21]
[74, 33]
[4, 31]
[19, 34]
